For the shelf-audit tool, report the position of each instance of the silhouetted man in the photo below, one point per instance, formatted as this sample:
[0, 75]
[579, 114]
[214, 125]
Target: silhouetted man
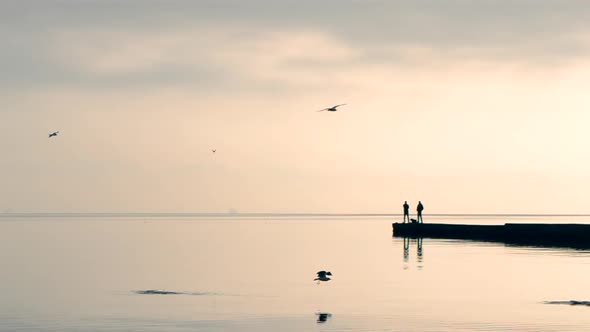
[419, 210]
[406, 211]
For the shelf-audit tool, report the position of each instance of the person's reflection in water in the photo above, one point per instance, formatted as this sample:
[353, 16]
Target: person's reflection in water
[406, 249]
[419, 240]
[419, 250]
[420, 253]
[323, 317]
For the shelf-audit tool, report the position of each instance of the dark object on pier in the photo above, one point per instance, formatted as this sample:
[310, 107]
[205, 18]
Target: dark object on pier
[544, 235]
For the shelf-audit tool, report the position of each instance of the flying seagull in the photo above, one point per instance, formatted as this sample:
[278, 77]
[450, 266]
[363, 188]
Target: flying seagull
[53, 134]
[323, 276]
[332, 109]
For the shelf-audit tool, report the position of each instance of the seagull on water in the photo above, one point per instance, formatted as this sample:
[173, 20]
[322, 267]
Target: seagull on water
[323, 317]
[323, 276]
[332, 109]
[53, 134]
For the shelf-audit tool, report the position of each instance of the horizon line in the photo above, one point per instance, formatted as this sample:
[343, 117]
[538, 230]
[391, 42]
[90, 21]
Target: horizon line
[272, 214]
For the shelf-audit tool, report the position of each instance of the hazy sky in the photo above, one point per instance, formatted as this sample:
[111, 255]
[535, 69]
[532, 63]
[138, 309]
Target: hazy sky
[469, 106]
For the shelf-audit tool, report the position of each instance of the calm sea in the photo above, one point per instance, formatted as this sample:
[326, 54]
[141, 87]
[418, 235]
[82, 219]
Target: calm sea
[147, 273]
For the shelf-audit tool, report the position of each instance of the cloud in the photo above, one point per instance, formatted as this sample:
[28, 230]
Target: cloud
[225, 44]
[232, 49]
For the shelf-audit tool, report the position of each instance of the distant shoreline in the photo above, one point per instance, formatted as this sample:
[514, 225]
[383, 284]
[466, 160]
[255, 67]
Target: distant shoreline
[265, 215]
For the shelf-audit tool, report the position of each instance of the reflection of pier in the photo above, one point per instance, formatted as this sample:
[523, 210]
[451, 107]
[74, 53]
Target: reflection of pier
[544, 235]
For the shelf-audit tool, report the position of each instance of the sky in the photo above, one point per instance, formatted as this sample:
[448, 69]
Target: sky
[468, 106]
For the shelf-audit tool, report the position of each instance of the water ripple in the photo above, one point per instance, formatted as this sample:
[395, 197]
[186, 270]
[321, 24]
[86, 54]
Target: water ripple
[165, 292]
[570, 302]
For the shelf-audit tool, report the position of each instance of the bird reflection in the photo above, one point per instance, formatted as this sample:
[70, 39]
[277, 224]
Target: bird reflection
[323, 317]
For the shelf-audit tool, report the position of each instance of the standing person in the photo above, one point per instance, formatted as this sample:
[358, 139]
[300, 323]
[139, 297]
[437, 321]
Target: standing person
[419, 210]
[406, 211]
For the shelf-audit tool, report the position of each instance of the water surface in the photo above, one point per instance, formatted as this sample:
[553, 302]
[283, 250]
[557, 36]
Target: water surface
[188, 273]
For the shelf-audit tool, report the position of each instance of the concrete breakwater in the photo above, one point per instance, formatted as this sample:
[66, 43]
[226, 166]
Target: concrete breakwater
[550, 235]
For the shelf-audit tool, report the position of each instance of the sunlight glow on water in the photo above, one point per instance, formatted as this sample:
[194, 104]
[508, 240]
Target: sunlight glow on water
[74, 274]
